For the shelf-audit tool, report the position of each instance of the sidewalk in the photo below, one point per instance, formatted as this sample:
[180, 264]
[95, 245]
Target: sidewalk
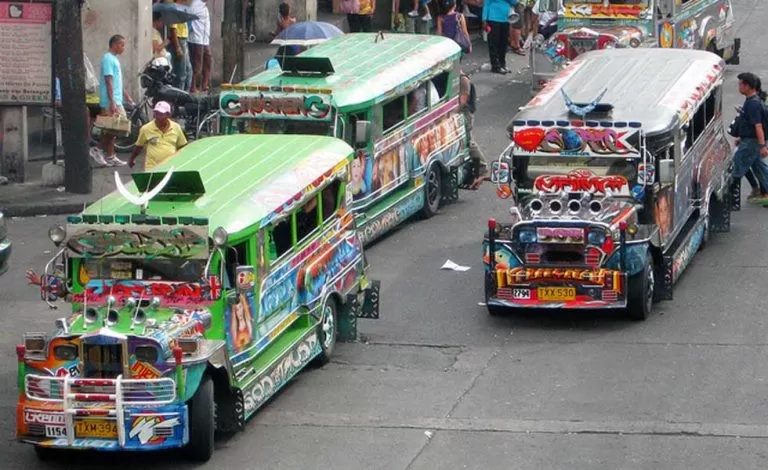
[32, 198]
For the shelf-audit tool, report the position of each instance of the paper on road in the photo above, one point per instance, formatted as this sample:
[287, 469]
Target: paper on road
[453, 266]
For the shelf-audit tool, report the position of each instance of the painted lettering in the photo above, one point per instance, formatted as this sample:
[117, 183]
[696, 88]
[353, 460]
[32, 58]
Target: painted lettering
[311, 106]
[177, 242]
[521, 274]
[573, 183]
[560, 234]
[574, 141]
[36, 417]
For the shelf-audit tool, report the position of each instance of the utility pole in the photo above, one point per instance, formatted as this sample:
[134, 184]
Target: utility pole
[233, 36]
[70, 68]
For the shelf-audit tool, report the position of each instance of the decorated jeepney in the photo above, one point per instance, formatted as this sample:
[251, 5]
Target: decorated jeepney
[615, 182]
[585, 25]
[393, 97]
[204, 285]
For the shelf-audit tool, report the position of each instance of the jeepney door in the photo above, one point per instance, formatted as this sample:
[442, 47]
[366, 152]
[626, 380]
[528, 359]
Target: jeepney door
[664, 194]
[241, 315]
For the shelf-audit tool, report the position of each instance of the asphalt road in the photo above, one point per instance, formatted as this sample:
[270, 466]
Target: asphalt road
[441, 384]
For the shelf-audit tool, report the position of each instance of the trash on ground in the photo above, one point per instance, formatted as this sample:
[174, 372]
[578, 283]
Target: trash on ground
[453, 266]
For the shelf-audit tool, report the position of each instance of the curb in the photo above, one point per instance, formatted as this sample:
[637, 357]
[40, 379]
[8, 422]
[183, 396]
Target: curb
[45, 208]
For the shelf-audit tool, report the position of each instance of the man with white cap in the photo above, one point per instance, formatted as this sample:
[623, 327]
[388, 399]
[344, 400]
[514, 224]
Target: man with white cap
[162, 137]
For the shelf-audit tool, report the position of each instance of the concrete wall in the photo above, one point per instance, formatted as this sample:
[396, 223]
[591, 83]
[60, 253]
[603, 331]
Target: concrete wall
[267, 14]
[132, 19]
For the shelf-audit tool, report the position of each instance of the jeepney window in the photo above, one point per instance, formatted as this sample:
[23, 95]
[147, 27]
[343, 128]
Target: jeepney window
[279, 239]
[352, 128]
[417, 100]
[440, 84]
[145, 269]
[234, 256]
[330, 199]
[393, 113]
[306, 219]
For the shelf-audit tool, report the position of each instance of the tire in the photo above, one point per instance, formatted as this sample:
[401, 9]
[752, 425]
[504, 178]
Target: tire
[433, 190]
[326, 332]
[46, 454]
[202, 423]
[495, 311]
[641, 292]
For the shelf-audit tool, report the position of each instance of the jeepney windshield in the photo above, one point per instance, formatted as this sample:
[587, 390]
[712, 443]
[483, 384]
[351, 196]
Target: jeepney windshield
[288, 126]
[143, 269]
[528, 168]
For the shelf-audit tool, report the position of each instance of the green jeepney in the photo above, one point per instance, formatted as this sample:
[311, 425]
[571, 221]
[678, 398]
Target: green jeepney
[393, 97]
[204, 285]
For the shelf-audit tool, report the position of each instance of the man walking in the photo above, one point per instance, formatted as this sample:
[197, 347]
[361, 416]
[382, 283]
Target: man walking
[751, 140]
[182, 67]
[496, 21]
[162, 137]
[200, 46]
[111, 96]
[467, 103]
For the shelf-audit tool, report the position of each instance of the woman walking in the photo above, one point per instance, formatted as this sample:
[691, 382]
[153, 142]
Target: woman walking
[453, 25]
[496, 17]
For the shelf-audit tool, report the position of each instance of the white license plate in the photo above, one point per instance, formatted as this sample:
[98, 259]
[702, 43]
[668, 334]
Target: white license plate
[55, 431]
[521, 294]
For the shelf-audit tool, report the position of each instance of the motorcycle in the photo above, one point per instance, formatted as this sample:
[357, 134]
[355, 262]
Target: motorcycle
[197, 115]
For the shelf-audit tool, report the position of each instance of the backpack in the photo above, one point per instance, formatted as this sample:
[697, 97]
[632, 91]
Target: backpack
[472, 101]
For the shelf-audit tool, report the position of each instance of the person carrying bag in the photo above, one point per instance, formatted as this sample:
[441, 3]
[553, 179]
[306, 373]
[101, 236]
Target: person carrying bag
[453, 25]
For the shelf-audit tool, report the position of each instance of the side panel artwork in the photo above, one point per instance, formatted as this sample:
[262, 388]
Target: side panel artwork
[440, 135]
[240, 319]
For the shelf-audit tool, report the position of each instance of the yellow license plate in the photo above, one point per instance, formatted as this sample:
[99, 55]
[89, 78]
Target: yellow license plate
[99, 428]
[557, 293]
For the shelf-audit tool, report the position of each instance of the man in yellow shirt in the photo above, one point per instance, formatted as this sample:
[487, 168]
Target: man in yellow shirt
[162, 138]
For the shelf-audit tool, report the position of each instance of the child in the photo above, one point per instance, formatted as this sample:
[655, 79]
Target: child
[423, 4]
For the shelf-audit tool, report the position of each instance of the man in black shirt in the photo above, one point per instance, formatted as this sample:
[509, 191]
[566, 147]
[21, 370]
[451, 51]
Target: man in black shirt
[751, 134]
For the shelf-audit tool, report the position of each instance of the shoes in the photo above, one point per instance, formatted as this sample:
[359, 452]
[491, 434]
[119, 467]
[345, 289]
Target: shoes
[413, 14]
[500, 70]
[426, 17]
[112, 160]
[97, 155]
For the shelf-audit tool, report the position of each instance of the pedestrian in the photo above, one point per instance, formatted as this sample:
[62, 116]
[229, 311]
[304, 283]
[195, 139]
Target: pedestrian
[453, 25]
[200, 46]
[751, 140]
[158, 43]
[420, 4]
[284, 18]
[516, 28]
[162, 137]
[178, 34]
[359, 14]
[468, 106]
[112, 94]
[496, 21]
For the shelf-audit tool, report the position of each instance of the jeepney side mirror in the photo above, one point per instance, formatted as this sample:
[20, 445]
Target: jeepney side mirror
[500, 171]
[362, 132]
[667, 171]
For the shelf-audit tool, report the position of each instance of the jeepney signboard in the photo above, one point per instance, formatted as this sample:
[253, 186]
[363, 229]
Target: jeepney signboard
[574, 141]
[26, 46]
[268, 105]
[583, 180]
[138, 241]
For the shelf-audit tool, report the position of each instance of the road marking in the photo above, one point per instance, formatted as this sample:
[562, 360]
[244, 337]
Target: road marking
[665, 428]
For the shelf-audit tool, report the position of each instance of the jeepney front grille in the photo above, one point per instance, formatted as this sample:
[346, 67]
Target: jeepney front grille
[102, 361]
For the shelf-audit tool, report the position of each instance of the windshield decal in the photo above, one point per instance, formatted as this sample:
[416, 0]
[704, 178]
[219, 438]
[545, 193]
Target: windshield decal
[138, 242]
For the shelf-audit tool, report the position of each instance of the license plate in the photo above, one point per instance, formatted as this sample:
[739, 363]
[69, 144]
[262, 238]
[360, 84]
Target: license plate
[521, 294]
[55, 431]
[557, 293]
[98, 428]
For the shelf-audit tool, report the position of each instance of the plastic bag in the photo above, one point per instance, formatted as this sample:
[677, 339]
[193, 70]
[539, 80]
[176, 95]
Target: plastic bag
[91, 81]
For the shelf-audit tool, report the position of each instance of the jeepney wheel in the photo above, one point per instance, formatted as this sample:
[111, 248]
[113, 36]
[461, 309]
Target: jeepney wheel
[640, 292]
[202, 423]
[326, 332]
[433, 190]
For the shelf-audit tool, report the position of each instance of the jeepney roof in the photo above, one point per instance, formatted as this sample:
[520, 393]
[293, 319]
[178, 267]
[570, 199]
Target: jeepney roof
[366, 69]
[247, 178]
[657, 88]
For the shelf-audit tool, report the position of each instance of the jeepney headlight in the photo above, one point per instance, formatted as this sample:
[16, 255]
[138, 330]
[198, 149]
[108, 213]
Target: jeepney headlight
[146, 354]
[65, 352]
[559, 45]
[596, 237]
[220, 236]
[57, 234]
[35, 342]
[527, 236]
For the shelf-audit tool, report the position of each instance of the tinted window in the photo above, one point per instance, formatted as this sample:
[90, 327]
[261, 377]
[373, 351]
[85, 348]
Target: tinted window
[280, 239]
[235, 256]
[330, 199]
[394, 113]
[306, 219]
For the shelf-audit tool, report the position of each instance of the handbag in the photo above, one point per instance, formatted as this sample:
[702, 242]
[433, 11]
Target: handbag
[461, 38]
[115, 124]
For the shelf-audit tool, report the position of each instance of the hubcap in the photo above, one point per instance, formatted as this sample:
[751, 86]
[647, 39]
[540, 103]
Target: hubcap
[651, 287]
[328, 327]
[433, 191]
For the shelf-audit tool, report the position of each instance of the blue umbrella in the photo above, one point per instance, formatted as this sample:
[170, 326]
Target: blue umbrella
[173, 13]
[307, 33]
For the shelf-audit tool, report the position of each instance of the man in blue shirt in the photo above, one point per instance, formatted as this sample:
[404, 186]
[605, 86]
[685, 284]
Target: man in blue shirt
[751, 140]
[496, 22]
[111, 95]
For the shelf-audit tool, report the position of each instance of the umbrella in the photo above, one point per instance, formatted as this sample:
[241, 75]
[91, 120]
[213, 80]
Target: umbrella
[307, 33]
[172, 13]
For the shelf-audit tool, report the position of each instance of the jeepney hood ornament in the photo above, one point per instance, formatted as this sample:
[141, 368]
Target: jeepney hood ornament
[581, 109]
[143, 199]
